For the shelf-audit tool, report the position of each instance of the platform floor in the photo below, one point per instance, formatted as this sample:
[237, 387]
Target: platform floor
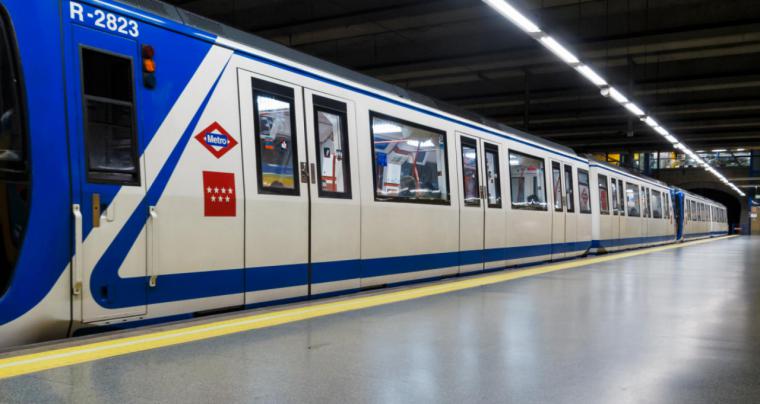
[674, 326]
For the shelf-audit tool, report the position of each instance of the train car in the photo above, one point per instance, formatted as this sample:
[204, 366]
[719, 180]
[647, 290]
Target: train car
[701, 217]
[633, 210]
[159, 165]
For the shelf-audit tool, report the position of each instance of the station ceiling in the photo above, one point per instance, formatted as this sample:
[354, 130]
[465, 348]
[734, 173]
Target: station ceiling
[693, 64]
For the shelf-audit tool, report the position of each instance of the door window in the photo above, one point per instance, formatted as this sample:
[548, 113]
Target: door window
[569, 189]
[604, 195]
[584, 192]
[557, 186]
[493, 179]
[621, 197]
[110, 135]
[331, 132]
[470, 180]
[613, 190]
[276, 148]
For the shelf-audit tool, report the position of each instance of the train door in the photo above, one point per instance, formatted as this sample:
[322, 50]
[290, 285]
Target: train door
[335, 208]
[571, 218]
[276, 184]
[471, 205]
[495, 223]
[109, 183]
[558, 212]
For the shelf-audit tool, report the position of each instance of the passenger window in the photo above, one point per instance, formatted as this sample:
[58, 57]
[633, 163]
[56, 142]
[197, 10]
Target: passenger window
[527, 179]
[584, 192]
[276, 147]
[656, 204]
[470, 180]
[332, 157]
[410, 162]
[633, 200]
[557, 186]
[569, 189]
[604, 195]
[493, 179]
[613, 190]
[110, 135]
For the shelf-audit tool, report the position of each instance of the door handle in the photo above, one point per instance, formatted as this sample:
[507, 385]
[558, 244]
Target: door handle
[77, 260]
[313, 173]
[152, 241]
[304, 173]
[95, 210]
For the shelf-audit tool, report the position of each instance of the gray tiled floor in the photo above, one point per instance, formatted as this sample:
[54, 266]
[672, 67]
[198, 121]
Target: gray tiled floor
[675, 326]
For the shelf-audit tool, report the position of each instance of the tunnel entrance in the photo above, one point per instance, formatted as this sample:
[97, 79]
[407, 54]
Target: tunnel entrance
[733, 205]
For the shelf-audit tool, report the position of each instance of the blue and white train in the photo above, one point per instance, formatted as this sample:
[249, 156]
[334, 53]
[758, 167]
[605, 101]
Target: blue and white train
[156, 165]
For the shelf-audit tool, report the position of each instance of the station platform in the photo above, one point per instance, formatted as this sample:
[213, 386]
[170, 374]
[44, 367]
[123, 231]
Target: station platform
[665, 325]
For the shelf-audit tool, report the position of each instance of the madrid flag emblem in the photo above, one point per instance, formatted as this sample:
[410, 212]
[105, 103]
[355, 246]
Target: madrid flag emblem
[219, 194]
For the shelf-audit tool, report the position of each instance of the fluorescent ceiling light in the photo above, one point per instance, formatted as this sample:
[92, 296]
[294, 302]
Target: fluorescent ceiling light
[513, 15]
[618, 96]
[662, 131]
[559, 50]
[591, 75]
[634, 109]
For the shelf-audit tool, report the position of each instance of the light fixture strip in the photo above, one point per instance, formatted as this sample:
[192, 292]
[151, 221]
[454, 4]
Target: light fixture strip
[524, 23]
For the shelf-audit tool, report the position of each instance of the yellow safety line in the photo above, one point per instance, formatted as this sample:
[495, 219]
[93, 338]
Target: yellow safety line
[55, 358]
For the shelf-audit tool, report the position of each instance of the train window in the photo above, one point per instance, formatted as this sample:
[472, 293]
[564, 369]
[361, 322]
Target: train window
[331, 131]
[14, 170]
[647, 202]
[557, 186]
[613, 191]
[584, 192]
[493, 179]
[604, 195]
[693, 211]
[666, 205]
[569, 189]
[110, 135]
[527, 181]
[621, 197]
[633, 200]
[656, 204]
[410, 162]
[276, 149]
[470, 180]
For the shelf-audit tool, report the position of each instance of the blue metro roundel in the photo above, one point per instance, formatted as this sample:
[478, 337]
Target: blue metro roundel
[216, 140]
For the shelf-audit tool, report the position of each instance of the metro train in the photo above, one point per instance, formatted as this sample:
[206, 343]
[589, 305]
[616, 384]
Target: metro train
[156, 165]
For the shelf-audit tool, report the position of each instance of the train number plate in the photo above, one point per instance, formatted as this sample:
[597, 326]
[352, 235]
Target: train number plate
[101, 19]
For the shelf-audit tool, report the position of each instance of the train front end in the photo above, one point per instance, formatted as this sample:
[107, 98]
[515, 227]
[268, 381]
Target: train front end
[35, 203]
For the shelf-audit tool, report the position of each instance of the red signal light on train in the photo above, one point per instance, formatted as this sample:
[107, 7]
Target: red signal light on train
[149, 66]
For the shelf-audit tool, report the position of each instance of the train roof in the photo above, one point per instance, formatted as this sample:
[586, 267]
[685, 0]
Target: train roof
[196, 21]
[699, 197]
[626, 171]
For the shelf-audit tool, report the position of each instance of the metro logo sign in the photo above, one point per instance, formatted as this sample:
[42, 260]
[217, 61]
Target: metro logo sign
[216, 140]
